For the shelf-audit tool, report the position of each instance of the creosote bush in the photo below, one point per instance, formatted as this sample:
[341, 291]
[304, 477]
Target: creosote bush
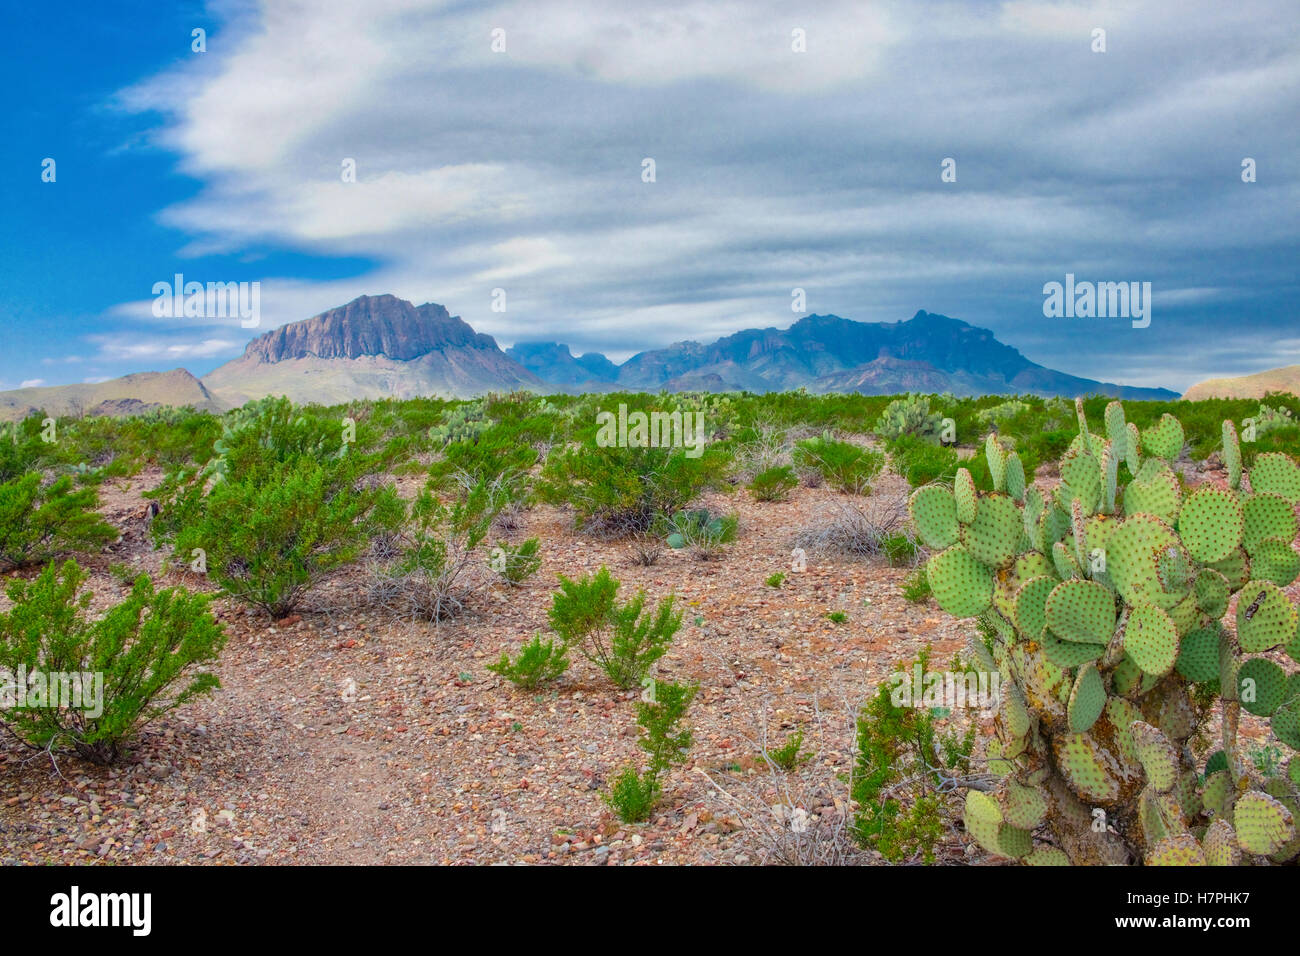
[634, 794]
[142, 657]
[624, 640]
[37, 523]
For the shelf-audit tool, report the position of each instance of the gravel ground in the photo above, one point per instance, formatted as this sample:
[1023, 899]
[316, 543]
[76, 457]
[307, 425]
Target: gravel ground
[436, 760]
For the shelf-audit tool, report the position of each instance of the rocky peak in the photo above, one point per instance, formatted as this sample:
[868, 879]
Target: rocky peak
[370, 325]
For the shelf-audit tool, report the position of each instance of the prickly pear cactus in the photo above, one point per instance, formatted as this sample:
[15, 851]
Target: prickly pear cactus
[1123, 612]
[464, 422]
[909, 416]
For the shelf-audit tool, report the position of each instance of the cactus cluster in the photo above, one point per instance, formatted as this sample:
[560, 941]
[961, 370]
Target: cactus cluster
[1104, 604]
[464, 422]
[909, 416]
[1270, 419]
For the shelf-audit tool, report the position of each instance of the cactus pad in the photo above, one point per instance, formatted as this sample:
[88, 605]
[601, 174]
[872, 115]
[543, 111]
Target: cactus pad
[994, 536]
[1156, 754]
[1081, 481]
[1210, 523]
[1178, 850]
[1231, 454]
[961, 584]
[1087, 767]
[1235, 567]
[1275, 473]
[1023, 807]
[1220, 845]
[1151, 639]
[1286, 725]
[1068, 654]
[1276, 561]
[1132, 456]
[1115, 424]
[1082, 612]
[1266, 515]
[1087, 699]
[983, 819]
[1030, 612]
[1132, 556]
[1198, 655]
[997, 460]
[1261, 685]
[963, 491]
[1044, 855]
[1212, 592]
[1265, 618]
[1262, 823]
[1015, 476]
[934, 512]
[1155, 491]
[1164, 439]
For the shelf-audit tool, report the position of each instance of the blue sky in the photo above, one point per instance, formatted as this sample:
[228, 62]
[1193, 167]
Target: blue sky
[775, 169]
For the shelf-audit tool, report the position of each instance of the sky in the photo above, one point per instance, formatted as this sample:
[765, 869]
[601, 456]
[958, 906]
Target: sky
[503, 146]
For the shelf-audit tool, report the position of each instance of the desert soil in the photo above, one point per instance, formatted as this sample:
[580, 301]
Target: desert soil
[435, 760]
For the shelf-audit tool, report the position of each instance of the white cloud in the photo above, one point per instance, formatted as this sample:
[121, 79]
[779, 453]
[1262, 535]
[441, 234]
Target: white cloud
[32, 383]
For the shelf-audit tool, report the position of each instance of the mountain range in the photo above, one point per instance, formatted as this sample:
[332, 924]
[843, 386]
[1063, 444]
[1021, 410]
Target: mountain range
[382, 346]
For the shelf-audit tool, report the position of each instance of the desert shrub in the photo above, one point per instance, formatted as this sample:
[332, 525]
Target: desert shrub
[429, 579]
[701, 532]
[620, 491]
[836, 617]
[666, 742]
[22, 448]
[266, 539]
[773, 484]
[903, 756]
[916, 588]
[775, 580]
[647, 550]
[901, 550]
[790, 754]
[539, 662]
[856, 529]
[921, 462]
[145, 651]
[843, 465]
[618, 638]
[38, 522]
[517, 563]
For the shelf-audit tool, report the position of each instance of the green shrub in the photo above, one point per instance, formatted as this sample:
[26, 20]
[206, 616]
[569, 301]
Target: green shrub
[836, 617]
[921, 462]
[516, 564]
[896, 779]
[539, 662]
[790, 754]
[267, 539]
[37, 523]
[900, 550]
[619, 639]
[775, 580]
[145, 651]
[773, 484]
[428, 580]
[917, 587]
[634, 795]
[842, 465]
[620, 491]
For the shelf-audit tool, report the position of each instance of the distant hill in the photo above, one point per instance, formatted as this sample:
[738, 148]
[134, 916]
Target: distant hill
[555, 364]
[373, 347]
[385, 347]
[1286, 379]
[129, 395]
[826, 353]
